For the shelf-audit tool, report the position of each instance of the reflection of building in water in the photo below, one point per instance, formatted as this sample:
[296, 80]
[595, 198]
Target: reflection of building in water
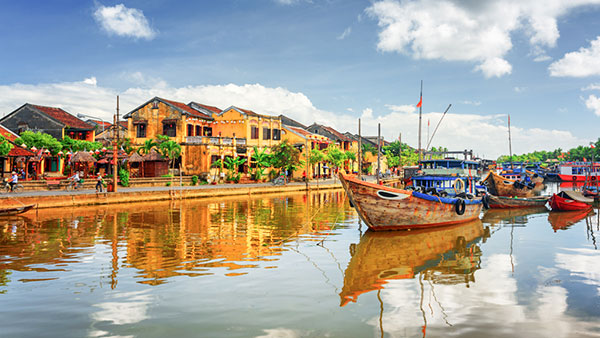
[512, 217]
[443, 255]
[165, 239]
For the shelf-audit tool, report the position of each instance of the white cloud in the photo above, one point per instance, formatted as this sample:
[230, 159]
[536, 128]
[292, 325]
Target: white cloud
[123, 21]
[520, 89]
[485, 134]
[471, 103]
[585, 62]
[345, 34]
[593, 103]
[593, 86]
[475, 31]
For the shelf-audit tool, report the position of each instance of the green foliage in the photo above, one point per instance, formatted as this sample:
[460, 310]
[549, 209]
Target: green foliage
[368, 148]
[574, 154]
[335, 156]
[316, 156]
[232, 164]
[285, 156]
[168, 184]
[124, 177]
[391, 159]
[194, 180]
[79, 145]
[147, 147]
[39, 140]
[262, 161]
[170, 149]
[125, 143]
[5, 146]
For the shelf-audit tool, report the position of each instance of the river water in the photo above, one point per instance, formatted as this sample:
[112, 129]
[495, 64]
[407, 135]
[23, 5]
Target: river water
[299, 265]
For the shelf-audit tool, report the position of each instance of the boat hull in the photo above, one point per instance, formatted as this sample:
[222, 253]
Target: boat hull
[501, 186]
[385, 208]
[501, 202]
[16, 210]
[564, 204]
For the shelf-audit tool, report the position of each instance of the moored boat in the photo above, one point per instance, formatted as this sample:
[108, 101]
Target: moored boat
[502, 202]
[501, 186]
[386, 208]
[15, 210]
[570, 201]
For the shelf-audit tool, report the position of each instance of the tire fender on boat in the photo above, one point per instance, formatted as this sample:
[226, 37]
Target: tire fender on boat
[485, 200]
[574, 178]
[460, 206]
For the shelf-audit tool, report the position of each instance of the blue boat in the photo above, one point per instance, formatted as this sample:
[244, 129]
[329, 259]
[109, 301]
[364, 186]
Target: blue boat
[449, 177]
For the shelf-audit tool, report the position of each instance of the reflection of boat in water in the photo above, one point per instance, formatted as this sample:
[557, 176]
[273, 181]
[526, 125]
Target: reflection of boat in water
[16, 210]
[515, 216]
[564, 219]
[447, 255]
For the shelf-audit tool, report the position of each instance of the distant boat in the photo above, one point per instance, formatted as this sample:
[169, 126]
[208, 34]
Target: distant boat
[386, 208]
[15, 210]
[502, 202]
[448, 255]
[501, 186]
[578, 171]
[570, 201]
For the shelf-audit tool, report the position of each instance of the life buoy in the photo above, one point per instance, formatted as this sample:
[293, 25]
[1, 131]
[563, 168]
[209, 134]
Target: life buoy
[593, 178]
[458, 182]
[460, 206]
[574, 178]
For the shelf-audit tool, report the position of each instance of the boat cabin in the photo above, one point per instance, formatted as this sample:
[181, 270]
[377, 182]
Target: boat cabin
[450, 167]
[447, 185]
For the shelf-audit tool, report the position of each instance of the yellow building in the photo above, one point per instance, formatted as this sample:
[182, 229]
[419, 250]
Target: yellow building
[301, 138]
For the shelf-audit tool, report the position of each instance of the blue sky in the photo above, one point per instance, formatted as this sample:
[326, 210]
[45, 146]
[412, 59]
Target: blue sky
[329, 61]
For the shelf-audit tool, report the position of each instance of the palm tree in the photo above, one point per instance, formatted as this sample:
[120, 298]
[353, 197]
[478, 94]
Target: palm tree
[147, 147]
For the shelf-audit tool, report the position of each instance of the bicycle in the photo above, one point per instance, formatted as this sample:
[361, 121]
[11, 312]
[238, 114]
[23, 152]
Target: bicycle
[6, 187]
[74, 185]
[279, 181]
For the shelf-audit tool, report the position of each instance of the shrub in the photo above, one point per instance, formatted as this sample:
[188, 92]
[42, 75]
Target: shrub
[124, 177]
[168, 184]
[194, 180]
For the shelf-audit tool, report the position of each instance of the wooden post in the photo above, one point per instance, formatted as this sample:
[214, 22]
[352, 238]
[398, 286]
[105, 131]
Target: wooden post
[420, 113]
[510, 144]
[115, 151]
[307, 162]
[378, 153]
[359, 152]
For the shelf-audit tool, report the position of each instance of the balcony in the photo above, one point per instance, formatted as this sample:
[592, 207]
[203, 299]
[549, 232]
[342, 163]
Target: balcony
[227, 141]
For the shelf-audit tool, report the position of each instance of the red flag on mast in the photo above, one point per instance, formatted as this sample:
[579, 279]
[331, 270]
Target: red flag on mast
[420, 102]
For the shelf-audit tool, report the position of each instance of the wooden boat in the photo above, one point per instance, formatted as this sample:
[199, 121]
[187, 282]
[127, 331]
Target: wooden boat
[386, 208]
[447, 255]
[16, 210]
[501, 186]
[563, 220]
[570, 201]
[502, 202]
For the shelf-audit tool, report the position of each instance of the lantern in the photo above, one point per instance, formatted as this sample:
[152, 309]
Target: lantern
[33, 148]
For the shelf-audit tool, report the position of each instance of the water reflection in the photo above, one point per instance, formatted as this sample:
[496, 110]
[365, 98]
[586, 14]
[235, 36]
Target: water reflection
[162, 240]
[444, 255]
[512, 217]
[562, 220]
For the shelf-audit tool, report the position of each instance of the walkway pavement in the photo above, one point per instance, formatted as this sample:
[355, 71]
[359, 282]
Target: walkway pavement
[174, 187]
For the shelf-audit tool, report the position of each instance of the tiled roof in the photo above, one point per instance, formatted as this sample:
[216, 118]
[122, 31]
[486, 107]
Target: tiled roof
[101, 123]
[124, 124]
[300, 131]
[207, 107]
[63, 117]
[248, 112]
[18, 151]
[337, 134]
[9, 135]
[187, 109]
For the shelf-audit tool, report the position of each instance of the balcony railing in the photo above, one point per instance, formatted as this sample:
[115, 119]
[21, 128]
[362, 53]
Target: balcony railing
[214, 140]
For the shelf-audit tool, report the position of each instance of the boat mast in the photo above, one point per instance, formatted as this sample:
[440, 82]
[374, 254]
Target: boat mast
[420, 105]
[359, 151]
[510, 144]
[378, 153]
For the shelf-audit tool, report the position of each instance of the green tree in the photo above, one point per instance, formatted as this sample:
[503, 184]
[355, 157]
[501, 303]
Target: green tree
[79, 145]
[262, 160]
[335, 156]
[5, 146]
[351, 156]
[285, 156]
[171, 150]
[232, 164]
[147, 147]
[39, 140]
[391, 159]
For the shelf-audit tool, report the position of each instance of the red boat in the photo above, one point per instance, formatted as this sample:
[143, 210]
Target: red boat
[570, 201]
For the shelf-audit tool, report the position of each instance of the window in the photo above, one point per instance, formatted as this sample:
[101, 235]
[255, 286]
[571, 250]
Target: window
[277, 134]
[254, 132]
[207, 131]
[170, 129]
[266, 133]
[190, 130]
[198, 130]
[141, 130]
[155, 105]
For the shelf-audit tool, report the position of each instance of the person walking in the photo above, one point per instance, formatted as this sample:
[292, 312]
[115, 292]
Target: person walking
[14, 179]
[99, 183]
